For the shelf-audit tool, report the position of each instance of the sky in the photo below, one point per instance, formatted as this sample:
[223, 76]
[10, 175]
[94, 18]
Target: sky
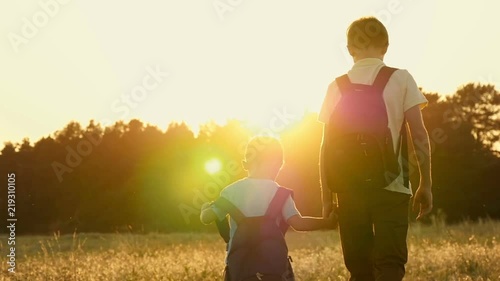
[195, 61]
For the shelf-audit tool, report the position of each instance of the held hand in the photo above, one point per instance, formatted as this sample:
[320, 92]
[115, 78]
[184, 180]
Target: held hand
[332, 221]
[327, 210]
[330, 215]
[205, 206]
[422, 201]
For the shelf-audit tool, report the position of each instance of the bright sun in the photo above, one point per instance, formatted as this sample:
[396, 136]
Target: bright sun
[213, 166]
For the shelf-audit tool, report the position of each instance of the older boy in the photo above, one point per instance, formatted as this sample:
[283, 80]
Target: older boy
[373, 222]
[252, 197]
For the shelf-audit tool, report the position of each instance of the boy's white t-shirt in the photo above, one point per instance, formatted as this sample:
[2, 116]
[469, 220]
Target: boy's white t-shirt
[252, 197]
[400, 94]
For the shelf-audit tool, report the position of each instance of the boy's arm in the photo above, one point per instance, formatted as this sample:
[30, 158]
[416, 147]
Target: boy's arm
[300, 223]
[423, 195]
[326, 193]
[207, 214]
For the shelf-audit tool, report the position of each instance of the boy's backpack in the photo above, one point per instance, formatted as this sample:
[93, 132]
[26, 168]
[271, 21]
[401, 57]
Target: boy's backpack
[258, 248]
[358, 148]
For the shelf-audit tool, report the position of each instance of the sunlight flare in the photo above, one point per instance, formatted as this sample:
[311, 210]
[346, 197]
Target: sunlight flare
[213, 166]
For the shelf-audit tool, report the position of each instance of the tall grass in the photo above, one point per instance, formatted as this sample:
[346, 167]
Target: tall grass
[468, 251]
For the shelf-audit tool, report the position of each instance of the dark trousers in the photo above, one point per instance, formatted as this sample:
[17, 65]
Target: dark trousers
[373, 225]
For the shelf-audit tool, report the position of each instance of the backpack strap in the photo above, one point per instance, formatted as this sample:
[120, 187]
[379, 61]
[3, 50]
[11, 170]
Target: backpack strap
[276, 205]
[383, 77]
[229, 207]
[402, 151]
[223, 225]
[224, 229]
[380, 82]
[344, 84]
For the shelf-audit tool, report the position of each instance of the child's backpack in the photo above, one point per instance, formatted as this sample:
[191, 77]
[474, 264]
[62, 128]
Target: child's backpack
[258, 249]
[358, 148]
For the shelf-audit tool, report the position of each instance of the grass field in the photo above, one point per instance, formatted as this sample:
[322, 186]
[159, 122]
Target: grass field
[469, 251]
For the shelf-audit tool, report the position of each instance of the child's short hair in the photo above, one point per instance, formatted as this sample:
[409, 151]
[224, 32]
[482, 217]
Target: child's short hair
[367, 31]
[262, 149]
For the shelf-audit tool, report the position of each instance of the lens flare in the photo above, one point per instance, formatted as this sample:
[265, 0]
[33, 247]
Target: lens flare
[213, 166]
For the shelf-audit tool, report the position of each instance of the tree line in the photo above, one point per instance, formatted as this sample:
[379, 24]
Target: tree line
[135, 177]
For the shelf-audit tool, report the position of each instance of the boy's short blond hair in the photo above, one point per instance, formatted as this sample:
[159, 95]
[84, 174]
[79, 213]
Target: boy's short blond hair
[262, 149]
[367, 31]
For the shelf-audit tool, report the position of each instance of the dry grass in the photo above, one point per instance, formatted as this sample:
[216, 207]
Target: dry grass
[468, 251]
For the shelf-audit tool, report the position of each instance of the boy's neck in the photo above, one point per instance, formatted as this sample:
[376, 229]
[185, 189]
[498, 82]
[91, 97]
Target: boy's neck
[356, 59]
[261, 175]
[366, 53]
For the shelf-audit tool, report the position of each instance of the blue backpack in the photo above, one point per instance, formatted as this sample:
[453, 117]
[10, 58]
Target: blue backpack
[358, 148]
[258, 249]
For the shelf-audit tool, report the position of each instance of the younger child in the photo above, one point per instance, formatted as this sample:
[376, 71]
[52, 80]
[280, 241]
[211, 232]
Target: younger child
[260, 212]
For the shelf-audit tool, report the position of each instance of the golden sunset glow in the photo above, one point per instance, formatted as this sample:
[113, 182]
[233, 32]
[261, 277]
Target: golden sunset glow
[180, 61]
[181, 140]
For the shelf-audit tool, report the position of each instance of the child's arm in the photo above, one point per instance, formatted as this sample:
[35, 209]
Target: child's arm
[207, 215]
[300, 223]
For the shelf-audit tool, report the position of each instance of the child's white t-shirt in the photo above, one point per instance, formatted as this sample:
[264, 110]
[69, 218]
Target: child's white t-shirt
[252, 197]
